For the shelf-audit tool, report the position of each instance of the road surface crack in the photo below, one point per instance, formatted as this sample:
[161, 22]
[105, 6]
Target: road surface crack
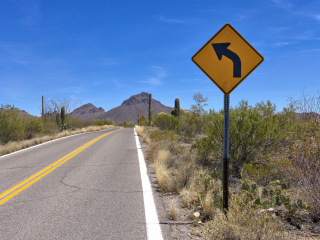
[63, 180]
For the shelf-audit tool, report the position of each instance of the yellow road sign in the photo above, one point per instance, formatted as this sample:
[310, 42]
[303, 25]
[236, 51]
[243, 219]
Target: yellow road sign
[227, 59]
[142, 118]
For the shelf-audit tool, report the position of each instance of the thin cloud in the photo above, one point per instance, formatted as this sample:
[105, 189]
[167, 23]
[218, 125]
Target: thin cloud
[285, 4]
[156, 80]
[311, 50]
[170, 20]
[73, 89]
[275, 30]
[118, 84]
[240, 17]
[281, 44]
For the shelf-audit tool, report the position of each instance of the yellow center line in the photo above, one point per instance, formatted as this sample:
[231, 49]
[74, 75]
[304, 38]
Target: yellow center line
[5, 196]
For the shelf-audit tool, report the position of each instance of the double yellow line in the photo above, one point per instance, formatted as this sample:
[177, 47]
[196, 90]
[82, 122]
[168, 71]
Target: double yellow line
[5, 196]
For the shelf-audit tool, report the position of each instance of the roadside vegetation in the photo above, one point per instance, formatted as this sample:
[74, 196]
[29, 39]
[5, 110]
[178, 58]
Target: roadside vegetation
[18, 131]
[274, 167]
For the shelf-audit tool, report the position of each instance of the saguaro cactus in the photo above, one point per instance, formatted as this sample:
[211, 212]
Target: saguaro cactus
[177, 106]
[176, 109]
[150, 106]
[63, 114]
[42, 112]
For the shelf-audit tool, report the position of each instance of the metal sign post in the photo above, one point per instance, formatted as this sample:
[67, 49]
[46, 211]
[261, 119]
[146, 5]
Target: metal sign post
[226, 105]
[227, 59]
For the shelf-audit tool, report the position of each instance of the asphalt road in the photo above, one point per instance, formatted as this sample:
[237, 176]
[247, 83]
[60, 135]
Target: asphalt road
[96, 194]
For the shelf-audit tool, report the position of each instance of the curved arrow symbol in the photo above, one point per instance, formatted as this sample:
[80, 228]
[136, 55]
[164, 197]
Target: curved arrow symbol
[222, 49]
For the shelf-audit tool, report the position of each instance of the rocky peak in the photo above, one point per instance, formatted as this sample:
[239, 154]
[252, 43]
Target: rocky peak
[89, 108]
[136, 99]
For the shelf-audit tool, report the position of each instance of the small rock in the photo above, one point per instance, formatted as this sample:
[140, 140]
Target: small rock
[196, 214]
[270, 209]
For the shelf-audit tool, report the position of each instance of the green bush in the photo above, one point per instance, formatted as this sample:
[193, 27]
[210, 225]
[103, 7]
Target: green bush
[165, 121]
[168, 135]
[255, 132]
[101, 122]
[66, 126]
[11, 125]
[33, 126]
[50, 127]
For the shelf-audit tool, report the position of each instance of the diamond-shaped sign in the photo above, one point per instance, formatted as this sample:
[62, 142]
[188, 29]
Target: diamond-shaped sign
[142, 118]
[227, 59]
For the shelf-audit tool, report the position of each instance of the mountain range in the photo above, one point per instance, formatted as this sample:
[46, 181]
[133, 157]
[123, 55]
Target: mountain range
[130, 110]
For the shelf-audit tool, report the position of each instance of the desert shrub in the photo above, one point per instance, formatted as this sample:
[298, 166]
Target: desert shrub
[165, 121]
[254, 133]
[194, 121]
[50, 127]
[300, 158]
[128, 124]
[101, 122]
[167, 135]
[98, 122]
[76, 123]
[33, 126]
[66, 127]
[11, 125]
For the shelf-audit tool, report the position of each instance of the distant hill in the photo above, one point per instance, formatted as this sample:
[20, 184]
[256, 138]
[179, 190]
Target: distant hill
[128, 111]
[88, 112]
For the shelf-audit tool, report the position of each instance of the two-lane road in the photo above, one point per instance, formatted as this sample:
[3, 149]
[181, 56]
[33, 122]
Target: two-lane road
[86, 186]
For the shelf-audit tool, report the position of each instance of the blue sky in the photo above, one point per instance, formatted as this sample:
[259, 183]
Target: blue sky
[105, 51]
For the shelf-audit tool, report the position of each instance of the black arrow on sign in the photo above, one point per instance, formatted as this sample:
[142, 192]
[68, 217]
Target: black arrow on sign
[222, 49]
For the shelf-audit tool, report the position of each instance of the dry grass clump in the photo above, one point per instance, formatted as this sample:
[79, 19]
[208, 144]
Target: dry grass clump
[245, 223]
[174, 170]
[163, 156]
[163, 178]
[16, 146]
[187, 197]
[139, 130]
[173, 211]
[162, 174]
[142, 133]
[207, 206]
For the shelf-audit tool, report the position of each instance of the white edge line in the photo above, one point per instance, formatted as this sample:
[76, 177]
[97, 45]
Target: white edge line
[152, 222]
[49, 142]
